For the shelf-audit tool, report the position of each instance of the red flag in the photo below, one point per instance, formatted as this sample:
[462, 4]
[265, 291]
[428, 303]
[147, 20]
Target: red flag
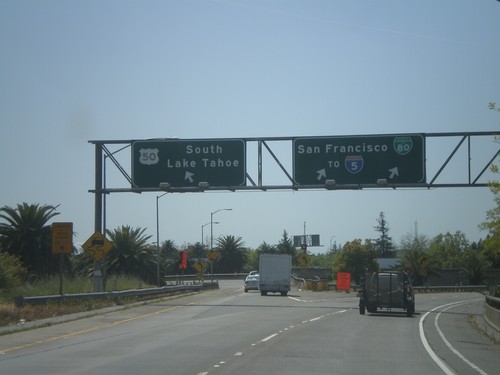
[183, 264]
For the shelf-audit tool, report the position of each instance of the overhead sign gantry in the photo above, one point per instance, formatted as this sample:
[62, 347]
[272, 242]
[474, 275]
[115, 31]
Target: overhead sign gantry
[222, 162]
[331, 162]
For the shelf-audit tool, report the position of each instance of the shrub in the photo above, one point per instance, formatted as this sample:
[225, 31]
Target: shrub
[12, 271]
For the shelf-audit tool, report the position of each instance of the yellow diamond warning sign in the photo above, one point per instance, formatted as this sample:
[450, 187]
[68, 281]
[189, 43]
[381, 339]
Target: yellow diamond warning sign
[97, 246]
[213, 255]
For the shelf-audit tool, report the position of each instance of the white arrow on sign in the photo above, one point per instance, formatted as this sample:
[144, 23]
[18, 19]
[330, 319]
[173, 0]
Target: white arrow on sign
[321, 174]
[189, 176]
[394, 172]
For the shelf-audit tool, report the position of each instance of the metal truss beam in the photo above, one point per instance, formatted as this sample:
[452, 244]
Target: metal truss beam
[103, 152]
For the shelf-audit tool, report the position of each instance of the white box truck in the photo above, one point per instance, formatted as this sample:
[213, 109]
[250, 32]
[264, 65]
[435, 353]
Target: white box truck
[275, 272]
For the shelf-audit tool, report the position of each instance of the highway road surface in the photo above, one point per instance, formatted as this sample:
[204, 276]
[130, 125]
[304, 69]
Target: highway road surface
[228, 331]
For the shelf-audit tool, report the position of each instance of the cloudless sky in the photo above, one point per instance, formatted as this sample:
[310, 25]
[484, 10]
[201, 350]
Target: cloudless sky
[74, 71]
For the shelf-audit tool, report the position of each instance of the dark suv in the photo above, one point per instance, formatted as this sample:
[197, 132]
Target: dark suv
[387, 289]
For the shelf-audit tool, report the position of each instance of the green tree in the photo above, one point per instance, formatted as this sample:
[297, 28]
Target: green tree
[131, 255]
[26, 234]
[169, 258]
[492, 222]
[12, 272]
[252, 261]
[447, 249]
[416, 260]
[383, 244]
[285, 246]
[194, 251]
[233, 255]
[475, 263]
[321, 260]
[357, 258]
[492, 226]
[265, 248]
[83, 264]
[493, 106]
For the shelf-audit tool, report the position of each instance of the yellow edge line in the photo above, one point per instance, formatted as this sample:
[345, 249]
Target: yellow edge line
[55, 338]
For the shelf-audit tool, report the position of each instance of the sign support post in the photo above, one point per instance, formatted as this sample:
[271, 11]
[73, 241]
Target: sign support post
[62, 243]
[97, 279]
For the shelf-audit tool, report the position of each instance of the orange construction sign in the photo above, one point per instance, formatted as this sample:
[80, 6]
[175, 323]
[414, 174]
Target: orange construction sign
[343, 281]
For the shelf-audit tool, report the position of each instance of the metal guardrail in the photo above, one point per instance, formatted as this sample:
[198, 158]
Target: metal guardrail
[454, 288]
[493, 301]
[435, 289]
[38, 300]
[207, 276]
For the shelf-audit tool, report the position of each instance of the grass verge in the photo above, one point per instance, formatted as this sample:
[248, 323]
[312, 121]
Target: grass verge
[10, 314]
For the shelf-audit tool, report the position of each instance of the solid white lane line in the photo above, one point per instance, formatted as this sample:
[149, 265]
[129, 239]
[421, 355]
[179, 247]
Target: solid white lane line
[451, 347]
[427, 347]
[431, 352]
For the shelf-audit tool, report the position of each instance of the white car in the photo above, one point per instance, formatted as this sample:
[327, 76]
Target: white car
[252, 282]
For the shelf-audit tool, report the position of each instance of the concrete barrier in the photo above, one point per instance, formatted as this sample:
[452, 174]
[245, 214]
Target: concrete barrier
[492, 317]
[317, 285]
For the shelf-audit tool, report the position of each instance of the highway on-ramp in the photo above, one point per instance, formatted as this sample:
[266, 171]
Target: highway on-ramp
[228, 331]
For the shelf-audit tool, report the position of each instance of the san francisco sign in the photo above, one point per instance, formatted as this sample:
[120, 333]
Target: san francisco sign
[397, 159]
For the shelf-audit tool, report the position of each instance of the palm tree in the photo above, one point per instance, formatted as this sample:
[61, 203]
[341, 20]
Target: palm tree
[265, 248]
[169, 258]
[26, 234]
[131, 255]
[233, 255]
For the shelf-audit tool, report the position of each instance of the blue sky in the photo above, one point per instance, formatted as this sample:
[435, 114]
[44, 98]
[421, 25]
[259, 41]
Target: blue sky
[74, 71]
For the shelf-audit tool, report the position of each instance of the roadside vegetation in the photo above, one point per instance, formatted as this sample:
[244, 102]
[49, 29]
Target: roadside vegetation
[28, 267]
[11, 314]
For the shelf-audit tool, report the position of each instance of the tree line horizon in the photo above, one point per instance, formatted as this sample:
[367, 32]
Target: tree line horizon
[25, 252]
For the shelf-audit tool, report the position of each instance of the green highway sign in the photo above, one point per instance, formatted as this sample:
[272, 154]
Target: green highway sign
[186, 163]
[398, 159]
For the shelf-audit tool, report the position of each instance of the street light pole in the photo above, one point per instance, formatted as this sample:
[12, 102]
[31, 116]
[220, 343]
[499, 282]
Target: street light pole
[212, 226]
[202, 240]
[212, 238]
[158, 240]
